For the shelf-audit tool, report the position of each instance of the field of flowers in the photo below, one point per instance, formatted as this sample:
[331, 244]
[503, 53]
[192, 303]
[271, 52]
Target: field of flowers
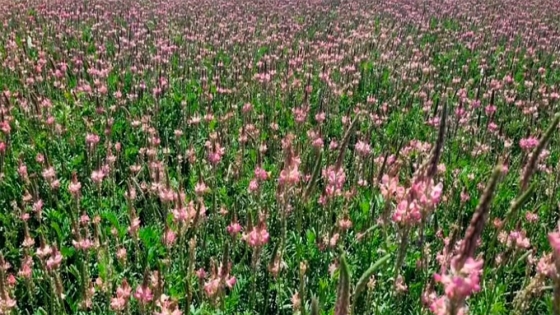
[280, 157]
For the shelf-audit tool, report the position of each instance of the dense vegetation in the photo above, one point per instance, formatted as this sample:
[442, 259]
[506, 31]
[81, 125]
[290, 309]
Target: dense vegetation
[279, 157]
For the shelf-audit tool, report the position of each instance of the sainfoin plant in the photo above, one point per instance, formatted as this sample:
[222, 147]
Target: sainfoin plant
[279, 157]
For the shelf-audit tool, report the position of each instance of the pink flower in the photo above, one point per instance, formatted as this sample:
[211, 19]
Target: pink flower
[40, 158]
[261, 174]
[459, 284]
[26, 270]
[5, 127]
[320, 117]
[440, 306]
[290, 175]
[7, 304]
[490, 109]
[49, 174]
[84, 219]
[529, 143]
[180, 215]
[54, 261]
[300, 114]
[143, 294]
[317, 143]
[201, 273]
[389, 187]
[247, 108]
[38, 206]
[200, 188]
[211, 287]
[130, 194]
[545, 266]
[44, 251]
[258, 236]
[230, 282]
[518, 239]
[465, 196]
[531, 217]
[363, 148]
[169, 238]
[400, 285]
[22, 171]
[11, 280]
[97, 176]
[92, 139]
[74, 188]
[134, 226]
[253, 185]
[334, 240]
[166, 195]
[118, 303]
[436, 193]
[55, 184]
[234, 228]
[345, 224]
[167, 306]
[296, 301]
[335, 178]
[215, 153]
[83, 244]
[554, 239]
[121, 254]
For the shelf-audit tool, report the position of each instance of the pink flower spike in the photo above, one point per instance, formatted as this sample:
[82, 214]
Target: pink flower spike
[554, 239]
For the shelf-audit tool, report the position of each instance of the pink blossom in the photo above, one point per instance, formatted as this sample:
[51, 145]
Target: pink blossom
[317, 143]
[345, 224]
[363, 148]
[143, 294]
[247, 108]
[258, 236]
[320, 117]
[49, 174]
[44, 251]
[169, 238]
[215, 153]
[134, 226]
[167, 307]
[261, 174]
[97, 176]
[230, 282]
[527, 144]
[290, 175]
[54, 261]
[38, 206]
[464, 282]
[22, 171]
[200, 188]
[118, 303]
[26, 270]
[180, 215]
[74, 188]
[92, 139]
[211, 287]
[253, 185]
[554, 239]
[234, 228]
[201, 273]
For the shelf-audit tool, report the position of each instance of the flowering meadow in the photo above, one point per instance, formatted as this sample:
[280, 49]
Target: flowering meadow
[280, 157]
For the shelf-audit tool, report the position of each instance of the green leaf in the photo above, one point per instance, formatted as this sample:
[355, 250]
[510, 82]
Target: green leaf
[343, 290]
[365, 278]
